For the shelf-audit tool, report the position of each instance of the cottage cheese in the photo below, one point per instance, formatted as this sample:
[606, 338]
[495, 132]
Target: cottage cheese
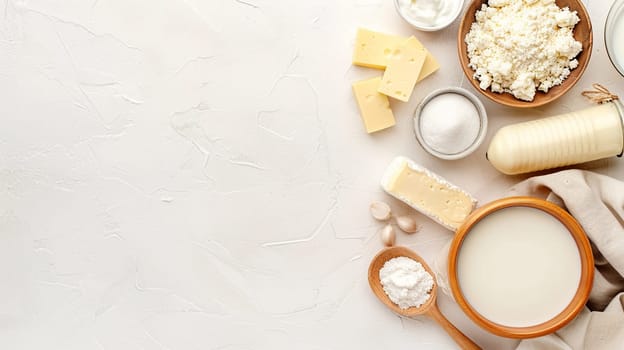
[520, 46]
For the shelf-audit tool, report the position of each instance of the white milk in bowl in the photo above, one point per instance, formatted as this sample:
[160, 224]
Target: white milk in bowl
[518, 267]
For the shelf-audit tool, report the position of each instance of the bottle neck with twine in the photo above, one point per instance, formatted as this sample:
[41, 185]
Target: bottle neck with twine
[600, 94]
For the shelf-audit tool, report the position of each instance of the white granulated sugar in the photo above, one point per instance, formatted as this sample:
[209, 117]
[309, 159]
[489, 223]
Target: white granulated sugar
[520, 46]
[449, 123]
[406, 282]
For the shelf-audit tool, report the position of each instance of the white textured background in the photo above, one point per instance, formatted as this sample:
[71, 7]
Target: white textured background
[193, 174]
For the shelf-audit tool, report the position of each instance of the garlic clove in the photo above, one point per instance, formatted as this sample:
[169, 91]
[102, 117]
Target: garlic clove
[380, 211]
[407, 224]
[388, 237]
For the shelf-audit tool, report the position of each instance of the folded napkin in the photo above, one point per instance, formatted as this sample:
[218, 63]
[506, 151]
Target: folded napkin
[597, 202]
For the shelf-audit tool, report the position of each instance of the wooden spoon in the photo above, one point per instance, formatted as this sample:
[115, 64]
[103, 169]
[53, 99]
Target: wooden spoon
[429, 308]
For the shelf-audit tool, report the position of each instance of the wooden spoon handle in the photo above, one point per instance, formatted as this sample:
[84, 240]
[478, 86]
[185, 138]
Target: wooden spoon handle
[460, 338]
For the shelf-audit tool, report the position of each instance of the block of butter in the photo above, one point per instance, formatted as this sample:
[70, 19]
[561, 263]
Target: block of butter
[427, 192]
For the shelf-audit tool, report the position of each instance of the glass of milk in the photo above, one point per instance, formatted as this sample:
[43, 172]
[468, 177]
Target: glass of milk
[613, 34]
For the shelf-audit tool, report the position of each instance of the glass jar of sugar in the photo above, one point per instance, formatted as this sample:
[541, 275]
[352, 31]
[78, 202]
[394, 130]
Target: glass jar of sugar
[450, 123]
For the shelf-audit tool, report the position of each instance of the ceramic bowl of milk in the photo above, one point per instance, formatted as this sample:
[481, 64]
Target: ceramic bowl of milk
[521, 267]
[613, 33]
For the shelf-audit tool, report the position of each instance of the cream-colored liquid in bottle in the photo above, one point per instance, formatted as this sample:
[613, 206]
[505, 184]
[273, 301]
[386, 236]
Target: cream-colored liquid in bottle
[519, 267]
[566, 139]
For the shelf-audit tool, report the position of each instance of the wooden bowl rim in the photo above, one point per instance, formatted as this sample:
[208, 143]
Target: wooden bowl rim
[587, 268]
[560, 90]
[375, 284]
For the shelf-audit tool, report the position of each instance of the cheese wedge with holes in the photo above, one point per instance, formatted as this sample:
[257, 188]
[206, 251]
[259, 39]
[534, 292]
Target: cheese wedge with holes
[431, 64]
[374, 107]
[427, 192]
[403, 70]
[373, 49]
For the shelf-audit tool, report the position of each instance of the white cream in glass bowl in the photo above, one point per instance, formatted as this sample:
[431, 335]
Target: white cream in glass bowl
[429, 15]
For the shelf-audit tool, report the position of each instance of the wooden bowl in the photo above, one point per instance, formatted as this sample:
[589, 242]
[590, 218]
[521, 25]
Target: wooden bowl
[582, 33]
[586, 274]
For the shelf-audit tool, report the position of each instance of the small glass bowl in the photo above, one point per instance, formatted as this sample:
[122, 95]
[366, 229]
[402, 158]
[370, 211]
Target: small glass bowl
[615, 13]
[426, 27]
[482, 125]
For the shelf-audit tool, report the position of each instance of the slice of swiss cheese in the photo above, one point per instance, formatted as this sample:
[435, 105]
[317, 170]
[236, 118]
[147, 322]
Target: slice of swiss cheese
[373, 49]
[374, 107]
[403, 70]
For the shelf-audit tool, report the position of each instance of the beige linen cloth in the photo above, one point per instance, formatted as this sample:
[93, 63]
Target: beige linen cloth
[597, 202]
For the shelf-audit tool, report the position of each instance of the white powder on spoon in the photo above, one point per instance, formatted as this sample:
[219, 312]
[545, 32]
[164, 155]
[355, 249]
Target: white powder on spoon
[406, 282]
[449, 123]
